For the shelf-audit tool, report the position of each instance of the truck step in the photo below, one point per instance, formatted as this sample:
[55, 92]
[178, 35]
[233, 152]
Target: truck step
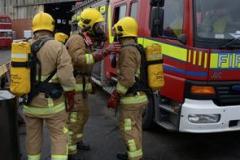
[97, 81]
[167, 108]
[167, 125]
[108, 89]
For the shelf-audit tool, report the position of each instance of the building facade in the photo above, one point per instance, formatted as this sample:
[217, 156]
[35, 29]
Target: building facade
[22, 11]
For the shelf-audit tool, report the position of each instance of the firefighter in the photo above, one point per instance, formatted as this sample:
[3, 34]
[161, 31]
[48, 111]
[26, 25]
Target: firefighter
[44, 109]
[132, 101]
[61, 37]
[82, 48]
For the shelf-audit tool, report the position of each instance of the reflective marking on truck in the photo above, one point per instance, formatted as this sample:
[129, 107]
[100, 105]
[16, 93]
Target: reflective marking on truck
[194, 57]
[205, 60]
[172, 51]
[184, 72]
[225, 61]
[198, 58]
[189, 57]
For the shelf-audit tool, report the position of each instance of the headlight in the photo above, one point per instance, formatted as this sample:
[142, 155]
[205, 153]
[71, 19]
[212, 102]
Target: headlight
[204, 118]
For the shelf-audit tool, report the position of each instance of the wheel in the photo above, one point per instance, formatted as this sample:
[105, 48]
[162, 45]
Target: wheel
[148, 114]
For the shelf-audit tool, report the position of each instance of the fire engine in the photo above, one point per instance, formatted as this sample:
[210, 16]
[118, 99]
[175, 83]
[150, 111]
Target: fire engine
[5, 31]
[200, 42]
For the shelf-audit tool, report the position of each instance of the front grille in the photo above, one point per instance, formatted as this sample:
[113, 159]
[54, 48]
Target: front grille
[226, 95]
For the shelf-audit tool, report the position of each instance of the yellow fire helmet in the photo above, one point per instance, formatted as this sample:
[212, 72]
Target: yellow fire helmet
[42, 21]
[89, 17]
[126, 27]
[61, 37]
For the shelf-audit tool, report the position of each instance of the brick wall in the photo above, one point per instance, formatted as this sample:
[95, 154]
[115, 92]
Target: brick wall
[19, 25]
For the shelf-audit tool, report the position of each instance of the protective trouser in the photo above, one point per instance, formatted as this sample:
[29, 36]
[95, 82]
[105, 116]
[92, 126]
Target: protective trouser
[77, 121]
[56, 124]
[131, 129]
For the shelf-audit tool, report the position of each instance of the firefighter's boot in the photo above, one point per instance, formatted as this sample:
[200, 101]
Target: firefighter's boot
[122, 156]
[83, 146]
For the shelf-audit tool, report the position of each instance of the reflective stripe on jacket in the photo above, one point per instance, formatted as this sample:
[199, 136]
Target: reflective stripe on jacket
[136, 99]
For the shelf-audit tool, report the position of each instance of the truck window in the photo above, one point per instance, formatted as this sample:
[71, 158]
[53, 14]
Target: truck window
[134, 8]
[217, 19]
[119, 12]
[173, 18]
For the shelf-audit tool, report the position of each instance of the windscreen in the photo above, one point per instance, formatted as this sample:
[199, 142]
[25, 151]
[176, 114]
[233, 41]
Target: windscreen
[217, 21]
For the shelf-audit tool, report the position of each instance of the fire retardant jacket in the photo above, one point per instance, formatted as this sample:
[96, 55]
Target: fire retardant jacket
[128, 69]
[52, 55]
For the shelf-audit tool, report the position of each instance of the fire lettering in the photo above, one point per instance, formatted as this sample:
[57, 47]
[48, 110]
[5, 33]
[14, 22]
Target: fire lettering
[229, 61]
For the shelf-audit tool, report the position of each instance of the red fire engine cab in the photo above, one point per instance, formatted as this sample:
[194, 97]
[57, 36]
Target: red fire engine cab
[200, 41]
[5, 31]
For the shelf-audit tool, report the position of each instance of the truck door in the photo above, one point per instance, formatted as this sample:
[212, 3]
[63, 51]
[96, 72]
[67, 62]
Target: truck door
[119, 10]
[134, 12]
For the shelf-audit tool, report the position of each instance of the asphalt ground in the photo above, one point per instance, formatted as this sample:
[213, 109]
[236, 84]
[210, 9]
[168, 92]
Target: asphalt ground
[101, 132]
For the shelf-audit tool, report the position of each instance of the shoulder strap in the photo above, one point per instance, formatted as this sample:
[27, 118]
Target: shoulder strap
[37, 45]
[50, 76]
[36, 89]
